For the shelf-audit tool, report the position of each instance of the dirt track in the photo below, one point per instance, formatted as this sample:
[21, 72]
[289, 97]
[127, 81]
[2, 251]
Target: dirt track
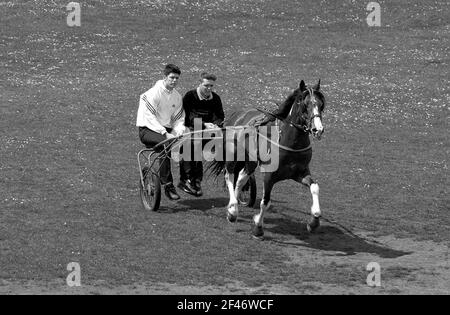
[399, 258]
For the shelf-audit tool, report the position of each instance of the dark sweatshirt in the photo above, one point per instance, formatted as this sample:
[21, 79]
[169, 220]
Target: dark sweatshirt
[210, 111]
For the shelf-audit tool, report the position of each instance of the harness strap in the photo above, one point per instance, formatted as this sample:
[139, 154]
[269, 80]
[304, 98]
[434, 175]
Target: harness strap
[176, 141]
[284, 147]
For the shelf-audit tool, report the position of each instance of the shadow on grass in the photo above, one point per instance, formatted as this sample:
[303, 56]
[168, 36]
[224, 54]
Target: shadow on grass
[194, 203]
[333, 238]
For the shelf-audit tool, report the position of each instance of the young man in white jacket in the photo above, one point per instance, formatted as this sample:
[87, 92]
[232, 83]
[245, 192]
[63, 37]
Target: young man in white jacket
[161, 116]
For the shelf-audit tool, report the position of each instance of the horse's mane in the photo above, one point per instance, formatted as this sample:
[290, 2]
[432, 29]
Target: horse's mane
[292, 97]
[289, 101]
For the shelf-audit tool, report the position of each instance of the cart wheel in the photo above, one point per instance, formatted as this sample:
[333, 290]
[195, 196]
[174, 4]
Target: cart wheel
[151, 192]
[247, 197]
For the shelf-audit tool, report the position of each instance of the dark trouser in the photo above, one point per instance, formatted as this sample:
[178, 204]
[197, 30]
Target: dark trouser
[192, 170]
[151, 138]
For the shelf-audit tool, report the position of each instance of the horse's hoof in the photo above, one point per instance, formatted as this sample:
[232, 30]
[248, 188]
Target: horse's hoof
[313, 224]
[231, 218]
[258, 232]
[258, 238]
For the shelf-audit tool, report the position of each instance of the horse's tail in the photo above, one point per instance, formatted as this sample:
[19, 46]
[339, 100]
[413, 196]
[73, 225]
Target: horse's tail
[216, 168]
[235, 119]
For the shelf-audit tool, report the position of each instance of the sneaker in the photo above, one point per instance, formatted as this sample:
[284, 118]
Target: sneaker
[171, 192]
[198, 187]
[188, 187]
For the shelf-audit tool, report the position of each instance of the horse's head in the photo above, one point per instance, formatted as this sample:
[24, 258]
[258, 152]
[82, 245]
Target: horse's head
[307, 109]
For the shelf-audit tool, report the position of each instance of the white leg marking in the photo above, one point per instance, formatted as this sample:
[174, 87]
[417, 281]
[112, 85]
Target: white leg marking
[315, 208]
[259, 218]
[233, 204]
[242, 180]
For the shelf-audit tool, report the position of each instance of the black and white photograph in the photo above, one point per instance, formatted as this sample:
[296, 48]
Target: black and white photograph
[226, 153]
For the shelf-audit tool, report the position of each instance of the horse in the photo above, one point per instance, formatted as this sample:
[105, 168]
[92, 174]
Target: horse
[294, 153]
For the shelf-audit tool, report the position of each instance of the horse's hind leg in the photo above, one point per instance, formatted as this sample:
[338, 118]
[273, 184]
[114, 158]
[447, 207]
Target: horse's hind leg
[258, 219]
[233, 211]
[314, 223]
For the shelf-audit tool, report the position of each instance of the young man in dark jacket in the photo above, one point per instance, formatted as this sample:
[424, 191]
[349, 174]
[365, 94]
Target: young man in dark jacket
[200, 103]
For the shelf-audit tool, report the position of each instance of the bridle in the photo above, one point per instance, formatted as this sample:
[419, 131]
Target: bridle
[309, 129]
[305, 126]
[307, 123]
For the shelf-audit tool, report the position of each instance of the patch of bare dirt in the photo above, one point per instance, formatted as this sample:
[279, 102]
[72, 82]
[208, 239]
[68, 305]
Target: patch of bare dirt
[407, 267]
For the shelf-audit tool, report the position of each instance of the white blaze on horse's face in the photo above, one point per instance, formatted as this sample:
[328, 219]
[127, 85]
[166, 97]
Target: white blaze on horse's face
[316, 128]
[317, 122]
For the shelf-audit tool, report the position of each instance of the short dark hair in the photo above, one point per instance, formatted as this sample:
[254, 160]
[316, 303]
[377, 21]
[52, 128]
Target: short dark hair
[171, 68]
[208, 76]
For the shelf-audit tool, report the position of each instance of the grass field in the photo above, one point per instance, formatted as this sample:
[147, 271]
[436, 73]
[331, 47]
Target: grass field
[68, 171]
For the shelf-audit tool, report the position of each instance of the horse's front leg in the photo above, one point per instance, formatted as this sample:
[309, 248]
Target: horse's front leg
[314, 223]
[233, 211]
[241, 181]
[258, 219]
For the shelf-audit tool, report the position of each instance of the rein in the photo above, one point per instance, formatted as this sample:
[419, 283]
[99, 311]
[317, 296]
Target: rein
[303, 128]
[284, 147]
[172, 143]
